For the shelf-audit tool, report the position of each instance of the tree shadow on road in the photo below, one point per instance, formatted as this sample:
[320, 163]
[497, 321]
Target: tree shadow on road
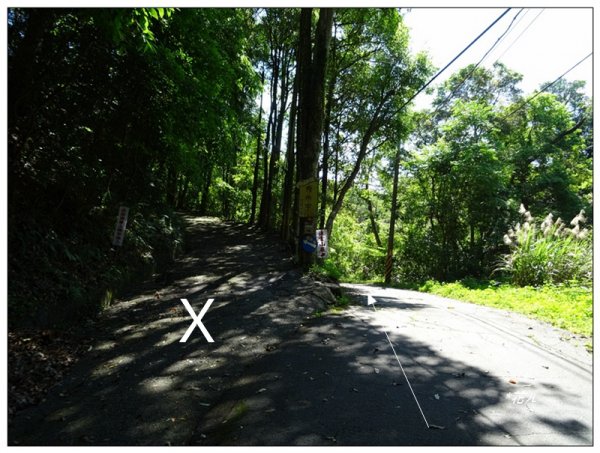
[275, 375]
[338, 383]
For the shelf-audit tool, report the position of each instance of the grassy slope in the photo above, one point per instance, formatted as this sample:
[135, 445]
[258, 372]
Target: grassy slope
[569, 308]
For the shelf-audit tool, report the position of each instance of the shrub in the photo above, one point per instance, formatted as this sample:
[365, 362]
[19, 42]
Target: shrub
[549, 253]
[352, 251]
[325, 270]
[56, 278]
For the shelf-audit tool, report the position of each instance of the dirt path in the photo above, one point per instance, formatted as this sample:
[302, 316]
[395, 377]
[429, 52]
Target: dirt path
[140, 385]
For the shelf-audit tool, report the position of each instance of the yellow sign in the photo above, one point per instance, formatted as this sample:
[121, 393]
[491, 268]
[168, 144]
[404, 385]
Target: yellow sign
[309, 192]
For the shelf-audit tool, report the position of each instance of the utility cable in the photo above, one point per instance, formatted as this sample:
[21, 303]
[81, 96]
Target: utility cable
[454, 59]
[516, 24]
[545, 87]
[406, 377]
[407, 381]
[500, 38]
[520, 34]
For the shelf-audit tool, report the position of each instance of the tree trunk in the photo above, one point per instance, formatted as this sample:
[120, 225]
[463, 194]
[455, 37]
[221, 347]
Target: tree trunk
[336, 162]
[312, 65]
[324, 176]
[265, 168]
[326, 126]
[372, 217]
[258, 150]
[288, 185]
[276, 151]
[206, 191]
[304, 80]
[182, 192]
[389, 259]
[22, 96]
[364, 145]
[172, 186]
[337, 206]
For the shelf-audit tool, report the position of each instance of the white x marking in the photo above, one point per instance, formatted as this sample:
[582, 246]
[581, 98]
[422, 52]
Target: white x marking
[197, 321]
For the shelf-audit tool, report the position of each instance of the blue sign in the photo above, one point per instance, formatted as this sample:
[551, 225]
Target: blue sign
[309, 243]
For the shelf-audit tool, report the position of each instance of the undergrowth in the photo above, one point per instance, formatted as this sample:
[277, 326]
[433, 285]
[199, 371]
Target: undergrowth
[57, 278]
[551, 252]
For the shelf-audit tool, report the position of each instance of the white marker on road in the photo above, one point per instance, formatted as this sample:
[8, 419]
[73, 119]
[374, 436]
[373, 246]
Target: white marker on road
[197, 321]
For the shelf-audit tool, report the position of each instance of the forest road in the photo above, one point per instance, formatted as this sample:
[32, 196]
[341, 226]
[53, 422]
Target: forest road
[495, 375]
[284, 371]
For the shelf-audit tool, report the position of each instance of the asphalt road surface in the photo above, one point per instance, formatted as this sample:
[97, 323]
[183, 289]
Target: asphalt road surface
[524, 381]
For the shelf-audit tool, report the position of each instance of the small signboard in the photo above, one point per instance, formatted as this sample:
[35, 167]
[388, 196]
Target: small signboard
[322, 246]
[309, 243]
[120, 227]
[309, 226]
[308, 197]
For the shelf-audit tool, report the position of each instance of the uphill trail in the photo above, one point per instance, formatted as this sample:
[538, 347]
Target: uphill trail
[139, 385]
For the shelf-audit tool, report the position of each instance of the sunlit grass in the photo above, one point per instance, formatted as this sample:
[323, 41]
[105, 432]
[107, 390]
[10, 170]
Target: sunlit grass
[568, 308]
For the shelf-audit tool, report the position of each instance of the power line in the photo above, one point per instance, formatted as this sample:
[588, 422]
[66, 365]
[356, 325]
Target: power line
[544, 88]
[500, 38]
[454, 59]
[520, 34]
[523, 16]
[516, 24]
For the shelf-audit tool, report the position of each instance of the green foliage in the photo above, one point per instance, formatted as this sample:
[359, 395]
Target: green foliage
[565, 307]
[456, 207]
[342, 302]
[78, 274]
[155, 108]
[352, 251]
[325, 270]
[548, 253]
[109, 107]
[545, 146]
[120, 25]
[459, 187]
[458, 190]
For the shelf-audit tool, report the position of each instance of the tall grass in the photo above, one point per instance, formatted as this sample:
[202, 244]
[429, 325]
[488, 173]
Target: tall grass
[549, 253]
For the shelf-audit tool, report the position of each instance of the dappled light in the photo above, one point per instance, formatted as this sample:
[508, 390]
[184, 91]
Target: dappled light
[278, 375]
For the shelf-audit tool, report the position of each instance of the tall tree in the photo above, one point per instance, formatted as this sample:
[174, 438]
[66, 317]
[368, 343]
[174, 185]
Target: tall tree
[330, 92]
[550, 168]
[275, 26]
[255, 181]
[290, 161]
[312, 63]
[389, 258]
[377, 75]
[113, 107]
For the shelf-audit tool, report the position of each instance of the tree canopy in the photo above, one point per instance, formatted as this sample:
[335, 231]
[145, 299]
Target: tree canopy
[224, 111]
